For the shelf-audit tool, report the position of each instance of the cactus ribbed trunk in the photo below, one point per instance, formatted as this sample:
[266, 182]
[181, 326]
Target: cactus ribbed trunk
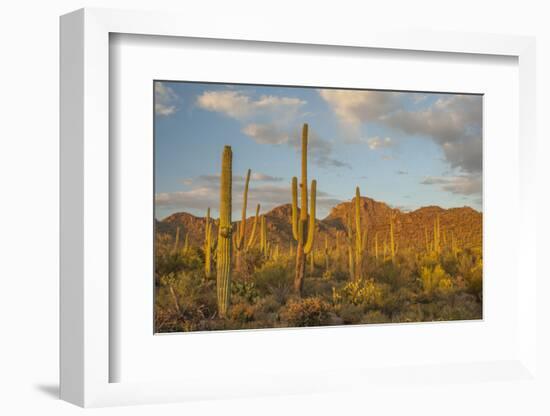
[223, 266]
[303, 232]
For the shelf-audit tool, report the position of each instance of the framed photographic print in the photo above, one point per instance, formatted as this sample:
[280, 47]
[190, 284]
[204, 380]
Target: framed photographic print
[281, 213]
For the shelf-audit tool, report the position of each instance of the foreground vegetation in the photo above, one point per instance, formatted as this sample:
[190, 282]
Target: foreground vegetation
[412, 288]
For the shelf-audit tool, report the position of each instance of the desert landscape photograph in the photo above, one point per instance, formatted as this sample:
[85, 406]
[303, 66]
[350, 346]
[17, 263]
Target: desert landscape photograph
[284, 206]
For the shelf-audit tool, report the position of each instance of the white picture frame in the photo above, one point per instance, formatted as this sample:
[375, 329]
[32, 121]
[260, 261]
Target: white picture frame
[85, 209]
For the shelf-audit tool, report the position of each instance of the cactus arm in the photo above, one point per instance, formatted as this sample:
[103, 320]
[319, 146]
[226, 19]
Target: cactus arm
[311, 227]
[252, 238]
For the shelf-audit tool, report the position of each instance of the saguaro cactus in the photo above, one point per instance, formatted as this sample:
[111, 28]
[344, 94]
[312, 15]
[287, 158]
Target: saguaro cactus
[186, 244]
[437, 244]
[393, 249]
[327, 254]
[427, 242]
[208, 245]
[223, 264]
[303, 232]
[238, 237]
[263, 237]
[176, 240]
[358, 237]
[356, 240]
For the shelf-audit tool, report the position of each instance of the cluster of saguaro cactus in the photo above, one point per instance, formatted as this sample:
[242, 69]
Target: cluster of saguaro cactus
[208, 245]
[185, 248]
[223, 263]
[303, 232]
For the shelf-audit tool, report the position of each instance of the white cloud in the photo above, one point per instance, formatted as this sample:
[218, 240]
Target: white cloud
[452, 121]
[165, 99]
[265, 134]
[379, 143]
[242, 107]
[320, 149]
[354, 107]
[468, 184]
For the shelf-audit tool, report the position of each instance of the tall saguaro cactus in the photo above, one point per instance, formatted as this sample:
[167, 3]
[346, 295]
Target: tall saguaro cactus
[223, 264]
[303, 232]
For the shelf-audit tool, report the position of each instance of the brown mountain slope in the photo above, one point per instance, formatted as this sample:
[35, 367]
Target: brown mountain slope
[410, 228]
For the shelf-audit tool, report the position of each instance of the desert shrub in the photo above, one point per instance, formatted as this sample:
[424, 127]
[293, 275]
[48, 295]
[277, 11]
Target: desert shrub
[250, 261]
[245, 291]
[166, 263]
[306, 312]
[474, 282]
[317, 287]
[366, 293]
[375, 317]
[242, 312]
[435, 278]
[350, 313]
[182, 300]
[275, 280]
[340, 275]
[269, 304]
[411, 313]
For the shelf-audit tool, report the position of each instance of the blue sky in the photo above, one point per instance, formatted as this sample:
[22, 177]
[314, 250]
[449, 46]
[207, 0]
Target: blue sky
[406, 149]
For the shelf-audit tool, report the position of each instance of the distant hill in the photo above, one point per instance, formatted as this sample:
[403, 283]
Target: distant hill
[465, 224]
